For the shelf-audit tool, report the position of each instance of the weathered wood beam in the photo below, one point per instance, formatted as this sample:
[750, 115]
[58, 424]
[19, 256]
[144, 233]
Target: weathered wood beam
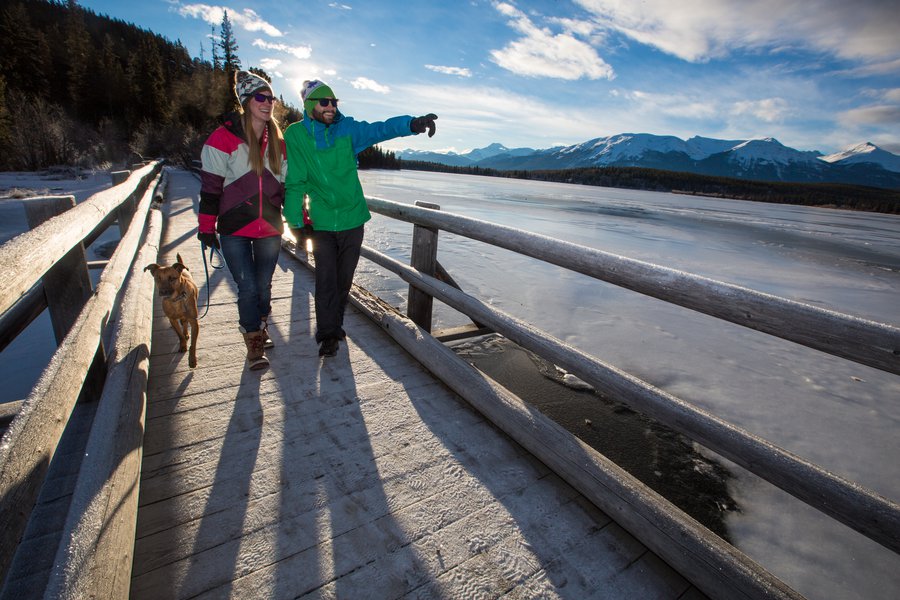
[423, 258]
[27, 257]
[94, 558]
[31, 439]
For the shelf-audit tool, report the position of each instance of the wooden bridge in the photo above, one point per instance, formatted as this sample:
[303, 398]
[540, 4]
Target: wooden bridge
[392, 470]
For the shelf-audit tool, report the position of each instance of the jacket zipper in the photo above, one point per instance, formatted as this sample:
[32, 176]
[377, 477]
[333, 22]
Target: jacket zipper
[265, 142]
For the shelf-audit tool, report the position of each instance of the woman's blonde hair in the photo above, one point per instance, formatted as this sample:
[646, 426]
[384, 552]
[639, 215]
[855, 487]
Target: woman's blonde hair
[274, 142]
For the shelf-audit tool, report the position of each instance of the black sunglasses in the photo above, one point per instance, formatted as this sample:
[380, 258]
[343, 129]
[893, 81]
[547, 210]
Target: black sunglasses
[264, 98]
[323, 102]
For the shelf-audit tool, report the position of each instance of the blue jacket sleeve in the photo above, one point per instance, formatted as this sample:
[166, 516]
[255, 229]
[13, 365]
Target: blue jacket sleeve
[365, 134]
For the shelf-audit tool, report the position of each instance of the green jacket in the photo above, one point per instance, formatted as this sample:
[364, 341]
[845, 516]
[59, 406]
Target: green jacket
[322, 165]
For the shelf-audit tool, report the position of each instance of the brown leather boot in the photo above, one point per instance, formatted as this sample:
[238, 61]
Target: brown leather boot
[264, 328]
[256, 354]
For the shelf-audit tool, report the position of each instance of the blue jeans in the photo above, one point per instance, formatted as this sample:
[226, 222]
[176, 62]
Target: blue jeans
[252, 262]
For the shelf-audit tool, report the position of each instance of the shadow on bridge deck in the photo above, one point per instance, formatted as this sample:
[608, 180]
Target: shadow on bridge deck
[360, 476]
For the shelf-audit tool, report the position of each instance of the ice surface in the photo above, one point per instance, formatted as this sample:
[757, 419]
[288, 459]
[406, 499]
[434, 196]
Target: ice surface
[838, 414]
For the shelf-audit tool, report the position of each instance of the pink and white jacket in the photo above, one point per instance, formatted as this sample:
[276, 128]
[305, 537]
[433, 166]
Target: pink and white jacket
[234, 200]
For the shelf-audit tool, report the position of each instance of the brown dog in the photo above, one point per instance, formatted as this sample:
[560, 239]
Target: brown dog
[179, 302]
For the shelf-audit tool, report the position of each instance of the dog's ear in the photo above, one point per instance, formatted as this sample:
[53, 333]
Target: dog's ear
[152, 268]
[179, 267]
[180, 262]
[178, 258]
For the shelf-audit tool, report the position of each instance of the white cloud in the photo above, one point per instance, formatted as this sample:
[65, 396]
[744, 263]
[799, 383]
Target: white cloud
[362, 83]
[340, 6]
[500, 116]
[246, 19]
[876, 68]
[302, 52]
[674, 105]
[770, 110]
[461, 71]
[697, 30]
[541, 53]
[883, 114]
[269, 64]
[892, 95]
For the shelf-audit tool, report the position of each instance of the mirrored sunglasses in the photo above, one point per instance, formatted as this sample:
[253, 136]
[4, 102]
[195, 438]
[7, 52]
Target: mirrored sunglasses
[264, 98]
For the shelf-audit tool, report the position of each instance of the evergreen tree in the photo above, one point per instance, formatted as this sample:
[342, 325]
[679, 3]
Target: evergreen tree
[25, 51]
[261, 73]
[78, 56]
[216, 64]
[4, 119]
[150, 101]
[230, 61]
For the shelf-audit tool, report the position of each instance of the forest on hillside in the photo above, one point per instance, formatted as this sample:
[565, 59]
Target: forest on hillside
[82, 89]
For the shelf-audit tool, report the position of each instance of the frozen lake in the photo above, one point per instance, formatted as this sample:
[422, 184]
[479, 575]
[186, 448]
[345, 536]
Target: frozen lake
[838, 414]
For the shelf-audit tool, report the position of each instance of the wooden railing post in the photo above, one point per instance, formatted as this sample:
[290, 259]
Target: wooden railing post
[67, 284]
[125, 212]
[424, 259]
[119, 176]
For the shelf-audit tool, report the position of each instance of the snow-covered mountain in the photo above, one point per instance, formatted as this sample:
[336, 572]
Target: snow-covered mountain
[465, 159]
[762, 159]
[866, 152]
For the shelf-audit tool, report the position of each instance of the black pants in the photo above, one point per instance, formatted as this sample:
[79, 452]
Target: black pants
[336, 254]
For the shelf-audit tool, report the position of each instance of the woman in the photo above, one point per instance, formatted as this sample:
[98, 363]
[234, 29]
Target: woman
[241, 195]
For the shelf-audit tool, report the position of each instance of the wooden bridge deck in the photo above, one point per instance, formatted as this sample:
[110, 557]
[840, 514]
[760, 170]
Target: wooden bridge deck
[360, 476]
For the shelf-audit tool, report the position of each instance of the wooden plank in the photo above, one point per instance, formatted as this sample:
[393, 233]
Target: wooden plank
[462, 332]
[712, 564]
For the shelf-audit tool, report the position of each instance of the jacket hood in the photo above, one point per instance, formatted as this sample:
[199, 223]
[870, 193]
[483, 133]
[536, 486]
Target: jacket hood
[233, 122]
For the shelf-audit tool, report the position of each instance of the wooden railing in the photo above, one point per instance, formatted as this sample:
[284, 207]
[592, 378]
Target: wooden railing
[709, 562]
[47, 265]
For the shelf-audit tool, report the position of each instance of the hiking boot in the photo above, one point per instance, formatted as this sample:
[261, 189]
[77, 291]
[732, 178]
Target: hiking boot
[256, 354]
[264, 329]
[329, 347]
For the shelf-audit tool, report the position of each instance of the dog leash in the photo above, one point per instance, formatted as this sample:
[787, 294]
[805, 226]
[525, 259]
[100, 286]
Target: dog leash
[213, 252]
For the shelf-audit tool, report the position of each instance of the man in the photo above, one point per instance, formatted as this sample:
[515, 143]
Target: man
[323, 194]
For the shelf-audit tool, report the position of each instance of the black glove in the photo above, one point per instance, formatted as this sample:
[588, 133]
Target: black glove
[420, 124]
[301, 234]
[209, 240]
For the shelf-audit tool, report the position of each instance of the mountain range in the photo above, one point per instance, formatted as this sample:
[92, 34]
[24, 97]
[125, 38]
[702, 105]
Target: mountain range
[758, 159]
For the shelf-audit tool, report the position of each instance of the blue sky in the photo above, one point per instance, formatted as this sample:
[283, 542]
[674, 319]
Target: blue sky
[817, 75]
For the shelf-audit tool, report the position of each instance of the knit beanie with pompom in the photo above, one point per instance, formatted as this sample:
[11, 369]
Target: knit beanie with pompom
[311, 91]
